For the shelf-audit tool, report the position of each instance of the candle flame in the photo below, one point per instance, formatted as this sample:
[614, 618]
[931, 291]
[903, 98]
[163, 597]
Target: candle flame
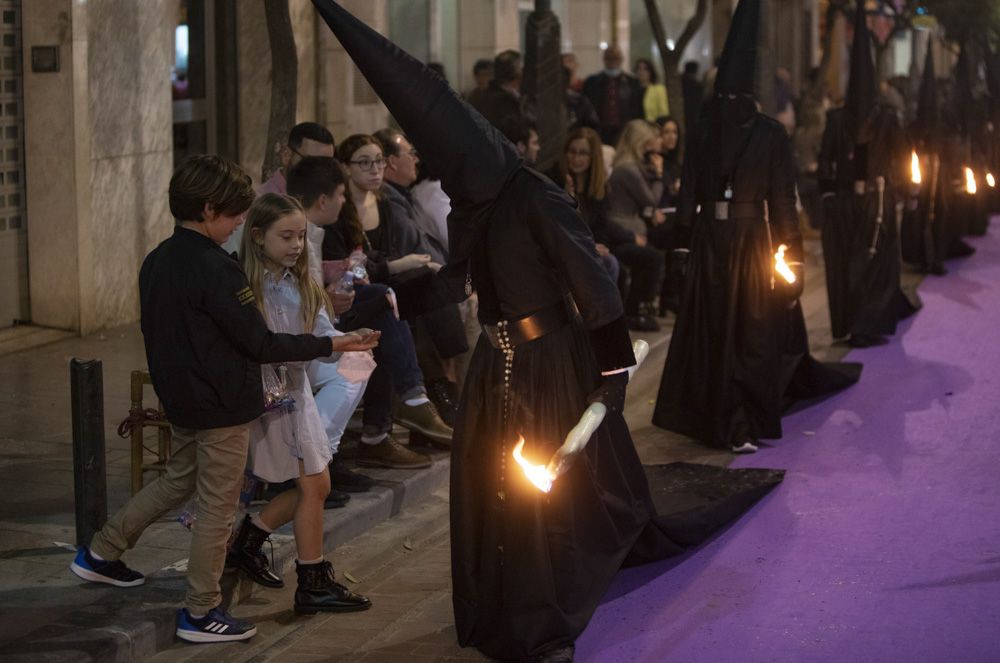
[970, 181]
[915, 168]
[991, 180]
[538, 475]
[781, 266]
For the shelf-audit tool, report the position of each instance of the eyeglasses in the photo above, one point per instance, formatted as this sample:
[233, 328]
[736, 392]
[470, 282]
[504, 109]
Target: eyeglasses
[578, 153]
[368, 164]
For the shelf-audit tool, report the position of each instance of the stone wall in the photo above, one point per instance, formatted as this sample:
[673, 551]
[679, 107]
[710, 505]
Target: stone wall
[98, 156]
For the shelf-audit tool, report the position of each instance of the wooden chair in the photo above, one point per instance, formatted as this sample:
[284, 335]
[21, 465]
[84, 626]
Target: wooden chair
[139, 418]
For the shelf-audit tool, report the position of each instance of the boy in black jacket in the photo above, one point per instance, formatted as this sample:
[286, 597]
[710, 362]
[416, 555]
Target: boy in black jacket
[205, 340]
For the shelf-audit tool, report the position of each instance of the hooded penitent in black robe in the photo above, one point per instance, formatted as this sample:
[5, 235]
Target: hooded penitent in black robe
[934, 233]
[529, 568]
[863, 167]
[739, 348]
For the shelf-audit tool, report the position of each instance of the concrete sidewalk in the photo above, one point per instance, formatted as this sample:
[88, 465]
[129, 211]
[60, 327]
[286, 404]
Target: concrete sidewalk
[47, 612]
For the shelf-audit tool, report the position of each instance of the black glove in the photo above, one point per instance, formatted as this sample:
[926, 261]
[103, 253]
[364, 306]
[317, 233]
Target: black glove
[611, 392]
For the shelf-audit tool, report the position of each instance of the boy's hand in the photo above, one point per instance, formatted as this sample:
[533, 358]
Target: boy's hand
[356, 341]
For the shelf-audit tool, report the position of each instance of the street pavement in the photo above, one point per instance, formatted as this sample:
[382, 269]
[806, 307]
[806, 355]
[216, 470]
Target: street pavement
[393, 541]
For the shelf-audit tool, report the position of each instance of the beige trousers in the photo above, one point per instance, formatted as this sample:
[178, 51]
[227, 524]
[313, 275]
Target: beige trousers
[210, 462]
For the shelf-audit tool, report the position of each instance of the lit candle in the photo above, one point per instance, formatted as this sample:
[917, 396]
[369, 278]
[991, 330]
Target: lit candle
[781, 266]
[915, 168]
[991, 180]
[543, 476]
[539, 475]
[970, 181]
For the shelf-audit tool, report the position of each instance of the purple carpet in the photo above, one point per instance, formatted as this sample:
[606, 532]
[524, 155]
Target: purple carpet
[883, 542]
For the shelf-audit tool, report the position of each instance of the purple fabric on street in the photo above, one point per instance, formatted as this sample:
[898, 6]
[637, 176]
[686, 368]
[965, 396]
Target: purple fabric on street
[883, 542]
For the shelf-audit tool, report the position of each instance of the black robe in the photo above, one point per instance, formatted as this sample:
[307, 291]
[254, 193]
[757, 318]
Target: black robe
[861, 251]
[739, 347]
[529, 568]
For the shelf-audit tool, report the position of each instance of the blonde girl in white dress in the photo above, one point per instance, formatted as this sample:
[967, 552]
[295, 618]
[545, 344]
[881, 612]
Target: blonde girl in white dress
[289, 441]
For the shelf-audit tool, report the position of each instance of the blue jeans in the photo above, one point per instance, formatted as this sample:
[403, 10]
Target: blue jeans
[397, 369]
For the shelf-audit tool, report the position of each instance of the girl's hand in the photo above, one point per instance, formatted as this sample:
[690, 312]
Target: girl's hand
[357, 341]
[435, 266]
[406, 263]
[602, 250]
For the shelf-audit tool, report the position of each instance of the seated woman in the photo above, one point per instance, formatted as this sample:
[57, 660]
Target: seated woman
[637, 187]
[670, 148]
[361, 226]
[581, 170]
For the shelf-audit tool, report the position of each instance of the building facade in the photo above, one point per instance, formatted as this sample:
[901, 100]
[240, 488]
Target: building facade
[99, 99]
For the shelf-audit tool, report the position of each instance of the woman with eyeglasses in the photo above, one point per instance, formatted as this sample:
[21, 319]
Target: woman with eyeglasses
[581, 171]
[396, 257]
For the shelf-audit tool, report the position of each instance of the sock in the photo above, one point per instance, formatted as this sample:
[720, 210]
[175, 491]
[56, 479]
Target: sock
[304, 562]
[420, 400]
[194, 616]
[96, 556]
[257, 522]
[374, 439]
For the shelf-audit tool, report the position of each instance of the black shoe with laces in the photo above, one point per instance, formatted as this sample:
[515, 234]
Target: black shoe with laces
[344, 479]
[337, 499]
[442, 394]
[114, 573]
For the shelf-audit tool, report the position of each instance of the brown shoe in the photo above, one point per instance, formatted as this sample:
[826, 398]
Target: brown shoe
[391, 454]
[424, 419]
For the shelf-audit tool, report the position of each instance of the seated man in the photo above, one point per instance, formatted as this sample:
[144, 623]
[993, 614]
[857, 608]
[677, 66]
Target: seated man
[319, 184]
[306, 139]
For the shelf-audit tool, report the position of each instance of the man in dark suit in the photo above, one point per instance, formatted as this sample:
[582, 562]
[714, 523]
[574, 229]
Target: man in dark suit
[615, 94]
[502, 98]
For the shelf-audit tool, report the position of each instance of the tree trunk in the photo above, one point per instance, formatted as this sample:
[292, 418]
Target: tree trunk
[670, 57]
[284, 82]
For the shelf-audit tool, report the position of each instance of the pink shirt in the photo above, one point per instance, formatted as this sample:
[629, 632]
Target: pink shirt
[275, 184]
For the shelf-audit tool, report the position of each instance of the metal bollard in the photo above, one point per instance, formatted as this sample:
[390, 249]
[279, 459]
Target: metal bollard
[89, 472]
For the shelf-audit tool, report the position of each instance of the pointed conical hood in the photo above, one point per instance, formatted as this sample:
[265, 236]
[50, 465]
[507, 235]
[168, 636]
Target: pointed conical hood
[927, 99]
[737, 72]
[862, 88]
[964, 87]
[473, 159]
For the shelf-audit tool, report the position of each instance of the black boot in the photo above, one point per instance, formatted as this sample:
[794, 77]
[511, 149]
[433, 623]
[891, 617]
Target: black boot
[318, 591]
[442, 394]
[245, 554]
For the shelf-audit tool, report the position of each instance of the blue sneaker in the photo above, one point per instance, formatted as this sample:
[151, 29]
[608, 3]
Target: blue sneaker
[112, 573]
[216, 626]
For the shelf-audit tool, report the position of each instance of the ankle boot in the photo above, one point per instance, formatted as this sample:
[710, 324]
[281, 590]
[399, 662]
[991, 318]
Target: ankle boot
[246, 554]
[318, 591]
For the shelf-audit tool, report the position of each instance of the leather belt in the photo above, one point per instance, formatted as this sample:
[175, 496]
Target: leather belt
[508, 334]
[725, 210]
